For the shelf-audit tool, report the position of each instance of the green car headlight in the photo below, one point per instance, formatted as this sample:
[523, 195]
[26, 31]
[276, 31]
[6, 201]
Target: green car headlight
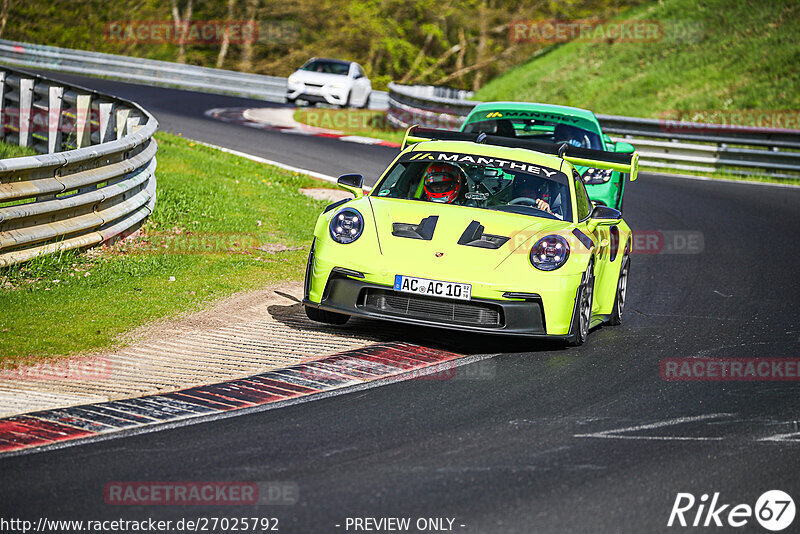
[346, 226]
[550, 253]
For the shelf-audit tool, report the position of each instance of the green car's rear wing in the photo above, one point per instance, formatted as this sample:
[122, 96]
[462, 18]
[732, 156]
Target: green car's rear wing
[587, 157]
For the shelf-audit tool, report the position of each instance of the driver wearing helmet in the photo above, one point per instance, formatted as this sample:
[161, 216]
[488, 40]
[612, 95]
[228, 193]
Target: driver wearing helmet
[443, 182]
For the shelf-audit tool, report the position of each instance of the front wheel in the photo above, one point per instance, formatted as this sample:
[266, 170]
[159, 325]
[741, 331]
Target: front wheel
[327, 317]
[583, 309]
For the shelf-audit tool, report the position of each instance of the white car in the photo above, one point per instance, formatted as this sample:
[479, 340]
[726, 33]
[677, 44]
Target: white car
[337, 82]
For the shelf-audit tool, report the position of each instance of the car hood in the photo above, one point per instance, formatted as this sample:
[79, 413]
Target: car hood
[317, 77]
[442, 255]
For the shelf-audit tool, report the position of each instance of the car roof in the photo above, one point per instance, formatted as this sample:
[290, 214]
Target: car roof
[516, 154]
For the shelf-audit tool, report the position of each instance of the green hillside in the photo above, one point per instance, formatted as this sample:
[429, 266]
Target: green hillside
[715, 55]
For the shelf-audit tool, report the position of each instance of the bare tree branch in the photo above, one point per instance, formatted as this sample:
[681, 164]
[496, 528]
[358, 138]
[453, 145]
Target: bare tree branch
[418, 59]
[444, 57]
[181, 26]
[476, 66]
[226, 36]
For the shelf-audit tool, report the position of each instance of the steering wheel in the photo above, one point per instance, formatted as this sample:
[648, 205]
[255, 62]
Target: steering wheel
[524, 200]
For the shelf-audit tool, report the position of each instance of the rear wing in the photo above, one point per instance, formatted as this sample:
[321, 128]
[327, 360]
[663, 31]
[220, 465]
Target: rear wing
[586, 157]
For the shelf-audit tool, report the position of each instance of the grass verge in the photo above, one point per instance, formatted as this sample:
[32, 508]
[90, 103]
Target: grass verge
[712, 56]
[222, 224]
[8, 150]
[361, 122]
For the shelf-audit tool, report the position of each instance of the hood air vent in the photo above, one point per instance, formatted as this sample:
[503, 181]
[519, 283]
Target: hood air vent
[423, 230]
[473, 236]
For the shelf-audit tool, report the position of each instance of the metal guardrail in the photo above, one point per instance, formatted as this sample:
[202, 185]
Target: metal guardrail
[94, 179]
[153, 72]
[661, 143]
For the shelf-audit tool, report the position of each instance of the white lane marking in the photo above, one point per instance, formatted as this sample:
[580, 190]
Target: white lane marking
[361, 139]
[259, 159]
[793, 437]
[614, 433]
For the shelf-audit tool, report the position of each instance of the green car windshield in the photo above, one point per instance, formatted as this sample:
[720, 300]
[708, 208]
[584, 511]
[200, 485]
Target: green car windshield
[482, 182]
[538, 130]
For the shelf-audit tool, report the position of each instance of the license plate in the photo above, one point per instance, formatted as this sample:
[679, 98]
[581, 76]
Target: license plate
[434, 288]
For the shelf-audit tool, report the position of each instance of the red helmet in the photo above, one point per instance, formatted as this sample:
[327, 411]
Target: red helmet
[442, 182]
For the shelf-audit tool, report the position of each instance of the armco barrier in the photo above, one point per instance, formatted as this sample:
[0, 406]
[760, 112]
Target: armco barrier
[152, 72]
[661, 143]
[95, 176]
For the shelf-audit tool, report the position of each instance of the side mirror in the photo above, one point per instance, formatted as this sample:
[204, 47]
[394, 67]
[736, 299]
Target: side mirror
[607, 139]
[353, 183]
[603, 215]
[624, 148]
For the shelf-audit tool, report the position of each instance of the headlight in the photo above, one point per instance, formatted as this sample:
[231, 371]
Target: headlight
[346, 226]
[597, 176]
[292, 80]
[550, 253]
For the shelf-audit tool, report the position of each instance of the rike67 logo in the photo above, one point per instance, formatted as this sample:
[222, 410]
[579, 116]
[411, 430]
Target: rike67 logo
[774, 510]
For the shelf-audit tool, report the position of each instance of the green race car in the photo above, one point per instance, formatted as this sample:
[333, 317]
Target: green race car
[557, 124]
[475, 232]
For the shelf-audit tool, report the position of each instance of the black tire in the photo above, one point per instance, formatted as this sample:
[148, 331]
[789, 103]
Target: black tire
[327, 317]
[582, 314]
[347, 102]
[622, 289]
[291, 101]
[366, 101]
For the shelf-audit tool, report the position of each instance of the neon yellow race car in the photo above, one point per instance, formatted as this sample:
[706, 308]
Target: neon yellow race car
[474, 232]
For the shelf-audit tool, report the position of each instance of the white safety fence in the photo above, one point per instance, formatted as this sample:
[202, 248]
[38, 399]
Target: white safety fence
[94, 179]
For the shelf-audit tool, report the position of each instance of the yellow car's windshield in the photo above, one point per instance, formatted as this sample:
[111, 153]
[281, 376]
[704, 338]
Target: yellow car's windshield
[480, 182]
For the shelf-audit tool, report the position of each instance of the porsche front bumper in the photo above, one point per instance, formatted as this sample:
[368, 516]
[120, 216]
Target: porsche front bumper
[350, 296]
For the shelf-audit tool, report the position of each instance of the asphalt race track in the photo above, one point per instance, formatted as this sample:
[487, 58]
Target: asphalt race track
[537, 439]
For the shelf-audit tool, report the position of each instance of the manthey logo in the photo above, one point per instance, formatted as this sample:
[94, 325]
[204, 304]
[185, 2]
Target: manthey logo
[774, 510]
[486, 161]
[494, 115]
